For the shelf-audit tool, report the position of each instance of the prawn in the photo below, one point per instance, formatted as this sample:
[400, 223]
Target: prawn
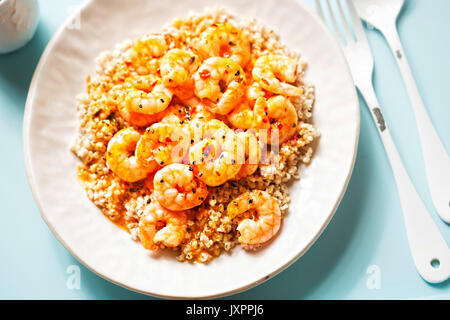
[278, 115]
[221, 81]
[177, 67]
[204, 128]
[243, 116]
[159, 226]
[215, 160]
[275, 72]
[144, 55]
[137, 119]
[262, 217]
[164, 143]
[151, 46]
[121, 159]
[211, 128]
[254, 91]
[174, 113]
[252, 153]
[147, 95]
[200, 115]
[198, 110]
[176, 188]
[225, 40]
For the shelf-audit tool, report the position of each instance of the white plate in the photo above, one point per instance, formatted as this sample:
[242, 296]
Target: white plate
[51, 123]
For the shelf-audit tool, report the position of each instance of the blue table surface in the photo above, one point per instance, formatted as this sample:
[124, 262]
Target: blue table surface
[362, 254]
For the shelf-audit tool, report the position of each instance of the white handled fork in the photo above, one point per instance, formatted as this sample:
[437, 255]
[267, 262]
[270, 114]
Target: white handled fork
[429, 250]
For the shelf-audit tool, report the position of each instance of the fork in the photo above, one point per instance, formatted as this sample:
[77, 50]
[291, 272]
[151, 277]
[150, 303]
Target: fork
[383, 16]
[429, 250]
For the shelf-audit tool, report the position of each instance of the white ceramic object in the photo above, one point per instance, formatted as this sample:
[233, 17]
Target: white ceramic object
[429, 250]
[18, 22]
[51, 124]
[383, 16]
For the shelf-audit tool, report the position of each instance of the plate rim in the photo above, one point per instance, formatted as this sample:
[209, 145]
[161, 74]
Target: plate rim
[26, 149]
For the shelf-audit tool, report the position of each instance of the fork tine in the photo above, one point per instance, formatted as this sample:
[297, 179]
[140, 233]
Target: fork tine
[348, 32]
[333, 21]
[357, 24]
